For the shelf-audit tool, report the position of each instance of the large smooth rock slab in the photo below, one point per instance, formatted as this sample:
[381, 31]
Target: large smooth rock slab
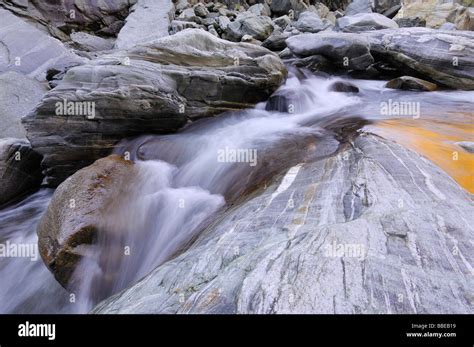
[19, 95]
[365, 22]
[154, 88]
[28, 50]
[20, 170]
[148, 20]
[344, 50]
[374, 229]
[61, 17]
[441, 56]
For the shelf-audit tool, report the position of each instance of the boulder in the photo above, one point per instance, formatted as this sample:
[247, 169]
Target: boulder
[20, 171]
[434, 14]
[344, 50]
[277, 40]
[364, 22]
[444, 57]
[282, 21]
[61, 17]
[77, 211]
[260, 10]
[310, 22]
[200, 10]
[411, 83]
[369, 230]
[343, 87]
[381, 6]
[147, 89]
[28, 50]
[259, 27]
[359, 6]
[91, 43]
[148, 20]
[19, 95]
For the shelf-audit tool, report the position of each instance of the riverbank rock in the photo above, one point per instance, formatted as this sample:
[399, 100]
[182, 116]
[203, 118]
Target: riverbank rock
[20, 171]
[310, 22]
[19, 95]
[259, 27]
[148, 20]
[148, 89]
[365, 22]
[61, 17]
[343, 50]
[411, 83]
[28, 50]
[435, 13]
[444, 57]
[74, 216]
[358, 6]
[369, 230]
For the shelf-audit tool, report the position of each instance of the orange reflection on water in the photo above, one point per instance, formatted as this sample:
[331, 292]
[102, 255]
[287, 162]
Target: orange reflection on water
[436, 140]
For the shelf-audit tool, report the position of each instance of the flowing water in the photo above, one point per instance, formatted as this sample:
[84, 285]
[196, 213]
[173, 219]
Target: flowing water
[184, 179]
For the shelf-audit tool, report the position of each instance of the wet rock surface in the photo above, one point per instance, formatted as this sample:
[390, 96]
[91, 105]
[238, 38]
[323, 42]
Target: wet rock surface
[370, 230]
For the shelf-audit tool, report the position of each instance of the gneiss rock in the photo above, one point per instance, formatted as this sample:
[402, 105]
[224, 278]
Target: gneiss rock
[442, 56]
[365, 22]
[347, 51]
[411, 83]
[310, 22]
[259, 27]
[19, 169]
[369, 230]
[91, 43]
[148, 20]
[152, 88]
[28, 50]
[19, 95]
[61, 17]
[75, 214]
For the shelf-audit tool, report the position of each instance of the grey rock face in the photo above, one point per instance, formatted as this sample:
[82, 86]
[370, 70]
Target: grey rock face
[442, 56]
[148, 20]
[369, 230]
[26, 49]
[91, 43]
[19, 95]
[345, 50]
[310, 22]
[19, 169]
[154, 88]
[359, 6]
[61, 17]
[365, 22]
[259, 27]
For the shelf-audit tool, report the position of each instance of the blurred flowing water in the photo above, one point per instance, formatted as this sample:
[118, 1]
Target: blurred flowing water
[184, 179]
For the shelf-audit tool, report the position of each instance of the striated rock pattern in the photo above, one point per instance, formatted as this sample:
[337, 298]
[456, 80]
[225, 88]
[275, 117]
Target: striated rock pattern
[153, 88]
[374, 229]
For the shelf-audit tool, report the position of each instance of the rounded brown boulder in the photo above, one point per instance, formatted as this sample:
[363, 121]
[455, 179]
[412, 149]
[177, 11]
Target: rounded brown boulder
[72, 221]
